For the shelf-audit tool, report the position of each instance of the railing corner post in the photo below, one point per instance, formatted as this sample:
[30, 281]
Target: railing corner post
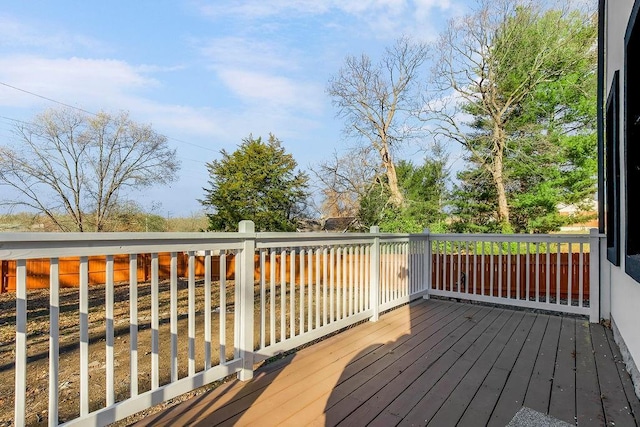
[594, 275]
[374, 289]
[247, 268]
[427, 259]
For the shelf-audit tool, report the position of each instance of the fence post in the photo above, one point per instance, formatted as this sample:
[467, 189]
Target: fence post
[594, 276]
[427, 260]
[246, 271]
[374, 288]
[4, 276]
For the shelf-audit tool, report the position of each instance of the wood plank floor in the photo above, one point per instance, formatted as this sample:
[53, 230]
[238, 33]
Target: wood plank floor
[436, 363]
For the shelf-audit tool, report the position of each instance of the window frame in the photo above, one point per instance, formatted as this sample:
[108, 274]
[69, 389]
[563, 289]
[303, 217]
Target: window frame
[632, 143]
[612, 173]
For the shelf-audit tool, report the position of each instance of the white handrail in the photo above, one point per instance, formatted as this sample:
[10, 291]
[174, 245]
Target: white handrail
[284, 290]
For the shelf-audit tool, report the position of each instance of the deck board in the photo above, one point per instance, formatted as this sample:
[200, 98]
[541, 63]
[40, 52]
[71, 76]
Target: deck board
[588, 398]
[436, 362]
[382, 398]
[512, 395]
[614, 399]
[433, 362]
[563, 392]
[481, 407]
[625, 379]
[431, 402]
[407, 370]
[539, 389]
[453, 408]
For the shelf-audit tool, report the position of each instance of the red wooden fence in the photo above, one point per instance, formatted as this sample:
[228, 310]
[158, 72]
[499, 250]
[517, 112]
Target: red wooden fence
[38, 270]
[448, 272]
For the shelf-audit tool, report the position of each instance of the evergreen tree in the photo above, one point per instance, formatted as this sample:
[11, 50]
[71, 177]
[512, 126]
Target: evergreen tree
[530, 93]
[424, 190]
[257, 182]
[473, 202]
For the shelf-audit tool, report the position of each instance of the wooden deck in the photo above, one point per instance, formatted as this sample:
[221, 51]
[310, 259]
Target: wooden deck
[436, 363]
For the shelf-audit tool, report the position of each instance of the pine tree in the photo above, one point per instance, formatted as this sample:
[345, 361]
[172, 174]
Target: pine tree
[257, 182]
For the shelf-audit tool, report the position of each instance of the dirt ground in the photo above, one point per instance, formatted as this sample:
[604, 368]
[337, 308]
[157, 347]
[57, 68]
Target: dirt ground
[69, 363]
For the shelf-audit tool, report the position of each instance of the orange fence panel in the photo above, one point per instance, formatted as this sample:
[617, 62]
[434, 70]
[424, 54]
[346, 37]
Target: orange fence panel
[450, 272]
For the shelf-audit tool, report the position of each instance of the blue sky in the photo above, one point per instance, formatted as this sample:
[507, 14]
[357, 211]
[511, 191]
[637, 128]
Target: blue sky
[204, 73]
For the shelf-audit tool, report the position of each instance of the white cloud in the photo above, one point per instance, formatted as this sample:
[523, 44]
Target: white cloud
[380, 18]
[256, 9]
[263, 73]
[98, 84]
[19, 35]
[424, 8]
[150, 68]
[88, 82]
[112, 85]
[272, 89]
[256, 54]
[366, 6]
[181, 120]
[273, 56]
[252, 9]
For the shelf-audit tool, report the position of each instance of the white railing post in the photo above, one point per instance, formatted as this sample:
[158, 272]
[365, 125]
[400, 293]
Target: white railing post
[54, 340]
[604, 280]
[20, 399]
[427, 260]
[594, 276]
[247, 268]
[374, 288]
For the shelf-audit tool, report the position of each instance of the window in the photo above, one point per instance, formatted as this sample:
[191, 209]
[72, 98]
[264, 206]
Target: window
[612, 171]
[632, 143]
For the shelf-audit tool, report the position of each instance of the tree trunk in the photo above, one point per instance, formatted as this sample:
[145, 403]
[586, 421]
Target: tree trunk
[498, 177]
[397, 198]
[503, 207]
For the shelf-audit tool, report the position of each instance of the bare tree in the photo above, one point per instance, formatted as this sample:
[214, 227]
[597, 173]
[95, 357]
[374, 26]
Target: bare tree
[377, 100]
[344, 180]
[490, 62]
[69, 162]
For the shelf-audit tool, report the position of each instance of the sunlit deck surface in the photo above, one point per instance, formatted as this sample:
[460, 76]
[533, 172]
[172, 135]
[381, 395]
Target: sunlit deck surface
[433, 362]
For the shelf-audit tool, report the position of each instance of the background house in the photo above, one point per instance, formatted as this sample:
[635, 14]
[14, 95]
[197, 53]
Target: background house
[584, 220]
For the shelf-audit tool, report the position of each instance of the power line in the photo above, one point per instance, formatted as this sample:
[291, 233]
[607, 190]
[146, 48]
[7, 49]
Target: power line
[190, 143]
[175, 139]
[47, 98]
[15, 120]
[84, 111]
[201, 162]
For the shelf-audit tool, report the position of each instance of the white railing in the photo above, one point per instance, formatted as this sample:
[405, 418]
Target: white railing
[549, 272]
[313, 284]
[143, 314]
[243, 297]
